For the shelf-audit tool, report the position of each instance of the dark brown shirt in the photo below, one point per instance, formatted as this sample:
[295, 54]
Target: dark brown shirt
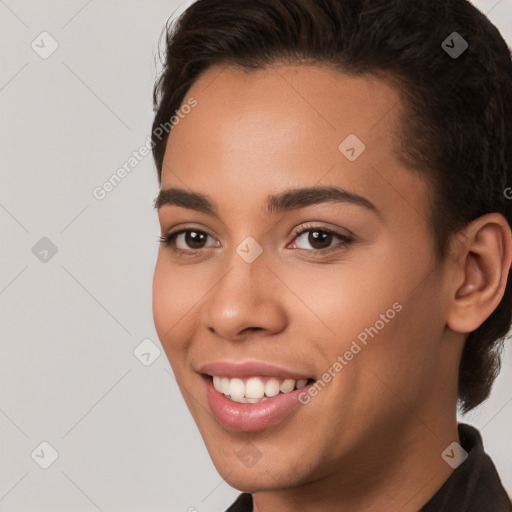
[474, 486]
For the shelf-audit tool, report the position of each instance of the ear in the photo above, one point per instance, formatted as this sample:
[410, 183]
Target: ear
[484, 254]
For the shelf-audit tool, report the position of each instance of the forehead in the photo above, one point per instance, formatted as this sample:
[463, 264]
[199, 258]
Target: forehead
[305, 100]
[286, 126]
[315, 88]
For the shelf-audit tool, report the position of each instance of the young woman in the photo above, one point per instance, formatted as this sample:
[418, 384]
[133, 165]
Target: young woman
[334, 274]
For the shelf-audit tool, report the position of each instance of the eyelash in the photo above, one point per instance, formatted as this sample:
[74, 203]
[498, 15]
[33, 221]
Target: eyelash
[168, 240]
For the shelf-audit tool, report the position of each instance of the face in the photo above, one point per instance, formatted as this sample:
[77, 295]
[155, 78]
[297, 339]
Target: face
[299, 324]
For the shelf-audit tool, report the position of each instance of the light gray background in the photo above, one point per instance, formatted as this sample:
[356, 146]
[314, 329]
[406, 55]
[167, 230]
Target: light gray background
[125, 439]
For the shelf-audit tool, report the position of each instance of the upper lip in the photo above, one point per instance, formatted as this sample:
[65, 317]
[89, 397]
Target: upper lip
[249, 369]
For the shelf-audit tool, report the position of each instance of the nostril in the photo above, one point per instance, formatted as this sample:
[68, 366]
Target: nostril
[252, 329]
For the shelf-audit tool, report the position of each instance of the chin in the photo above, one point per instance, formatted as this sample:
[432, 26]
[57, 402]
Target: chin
[261, 479]
[243, 467]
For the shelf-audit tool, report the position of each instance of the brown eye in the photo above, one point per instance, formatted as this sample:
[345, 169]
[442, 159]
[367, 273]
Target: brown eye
[319, 239]
[195, 239]
[188, 240]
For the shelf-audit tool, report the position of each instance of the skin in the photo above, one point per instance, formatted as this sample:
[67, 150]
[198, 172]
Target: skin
[372, 438]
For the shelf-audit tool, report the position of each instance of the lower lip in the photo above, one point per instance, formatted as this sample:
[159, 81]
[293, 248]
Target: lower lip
[250, 417]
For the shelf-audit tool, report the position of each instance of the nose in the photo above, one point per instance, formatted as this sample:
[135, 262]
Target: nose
[246, 302]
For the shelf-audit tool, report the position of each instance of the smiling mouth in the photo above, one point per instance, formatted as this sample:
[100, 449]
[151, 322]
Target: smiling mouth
[255, 389]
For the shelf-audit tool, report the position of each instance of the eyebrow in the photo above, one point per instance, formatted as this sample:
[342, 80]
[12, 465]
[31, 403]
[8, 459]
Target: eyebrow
[292, 199]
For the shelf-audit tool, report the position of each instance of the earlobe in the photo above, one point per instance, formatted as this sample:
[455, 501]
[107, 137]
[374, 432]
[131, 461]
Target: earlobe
[486, 265]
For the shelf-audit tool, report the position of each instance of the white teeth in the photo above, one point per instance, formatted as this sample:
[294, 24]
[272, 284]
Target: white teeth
[236, 389]
[287, 386]
[301, 383]
[224, 385]
[255, 389]
[272, 387]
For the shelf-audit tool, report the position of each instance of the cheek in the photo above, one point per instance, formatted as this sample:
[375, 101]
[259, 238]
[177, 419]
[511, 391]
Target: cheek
[168, 307]
[339, 301]
[374, 308]
[400, 361]
[178, 294]
[162, 300]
